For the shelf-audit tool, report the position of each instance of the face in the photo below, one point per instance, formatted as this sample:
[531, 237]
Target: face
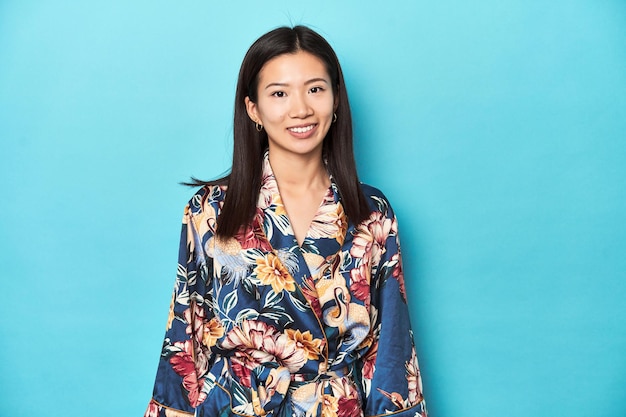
[295, 104]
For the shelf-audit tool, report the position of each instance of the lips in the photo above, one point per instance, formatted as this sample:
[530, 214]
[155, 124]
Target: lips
[301, 129]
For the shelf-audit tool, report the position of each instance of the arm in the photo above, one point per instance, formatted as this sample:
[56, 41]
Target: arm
[185, 356]
[390, 373]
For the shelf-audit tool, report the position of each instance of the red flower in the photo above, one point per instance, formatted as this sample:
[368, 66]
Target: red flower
[153, 410]
[194, 316]
[253, 237]
[369, 361]
[360, 284]
[311, 295]
[349, 407]
[183, 364]
[241, 364]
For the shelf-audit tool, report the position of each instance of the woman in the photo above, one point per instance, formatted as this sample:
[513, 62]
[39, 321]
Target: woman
[282, 303]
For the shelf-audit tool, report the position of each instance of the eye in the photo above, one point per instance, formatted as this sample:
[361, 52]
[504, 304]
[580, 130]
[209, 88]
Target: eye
[278, 94]
[316, 90]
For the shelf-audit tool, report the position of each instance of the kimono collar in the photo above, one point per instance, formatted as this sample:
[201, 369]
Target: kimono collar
[327, 229]
[269, 186]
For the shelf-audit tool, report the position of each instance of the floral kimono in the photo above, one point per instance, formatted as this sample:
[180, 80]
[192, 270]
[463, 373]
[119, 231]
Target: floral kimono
[260, 326]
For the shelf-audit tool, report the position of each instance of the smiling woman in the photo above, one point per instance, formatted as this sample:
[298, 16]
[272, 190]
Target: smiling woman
[289, 268]
[295, 104]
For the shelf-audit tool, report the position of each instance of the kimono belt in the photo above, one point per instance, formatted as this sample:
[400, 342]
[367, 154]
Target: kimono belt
[270, 383]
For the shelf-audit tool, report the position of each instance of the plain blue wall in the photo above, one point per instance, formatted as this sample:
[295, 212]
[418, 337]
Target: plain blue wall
[497, 129]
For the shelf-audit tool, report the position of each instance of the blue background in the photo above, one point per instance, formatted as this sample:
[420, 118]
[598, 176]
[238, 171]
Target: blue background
[497, 129]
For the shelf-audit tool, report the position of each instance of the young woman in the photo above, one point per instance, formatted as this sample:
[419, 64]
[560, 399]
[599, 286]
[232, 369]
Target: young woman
[289, 298]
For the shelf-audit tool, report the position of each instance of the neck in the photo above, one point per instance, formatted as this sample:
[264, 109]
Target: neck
[297, 172]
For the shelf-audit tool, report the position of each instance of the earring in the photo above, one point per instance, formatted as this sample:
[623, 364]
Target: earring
[334, 117]
[258, 126]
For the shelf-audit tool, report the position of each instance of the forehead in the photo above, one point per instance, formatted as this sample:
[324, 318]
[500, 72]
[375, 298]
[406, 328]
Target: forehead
[293, 68]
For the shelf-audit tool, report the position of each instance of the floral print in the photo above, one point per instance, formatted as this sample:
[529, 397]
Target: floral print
[270, 271]
[213, 331]
[306, 342]
[262, 326]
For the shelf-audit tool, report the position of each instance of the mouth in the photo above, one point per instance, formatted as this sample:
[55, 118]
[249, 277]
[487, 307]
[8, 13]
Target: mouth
[301, 129]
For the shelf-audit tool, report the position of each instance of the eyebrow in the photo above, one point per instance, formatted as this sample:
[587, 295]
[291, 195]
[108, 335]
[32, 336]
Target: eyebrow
[311, 81]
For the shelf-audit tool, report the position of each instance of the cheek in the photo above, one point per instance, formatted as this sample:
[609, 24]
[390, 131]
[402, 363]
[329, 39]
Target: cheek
[274, 117]
[271, 113]
[329, 107]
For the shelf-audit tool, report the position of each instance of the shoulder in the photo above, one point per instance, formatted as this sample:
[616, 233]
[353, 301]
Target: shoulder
[206, 201]
[371, 191]
[377, 200]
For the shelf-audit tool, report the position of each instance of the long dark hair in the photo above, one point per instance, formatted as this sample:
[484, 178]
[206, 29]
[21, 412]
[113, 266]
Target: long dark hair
[244, 180]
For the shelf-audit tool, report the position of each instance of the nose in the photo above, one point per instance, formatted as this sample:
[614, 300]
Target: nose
[300, 107]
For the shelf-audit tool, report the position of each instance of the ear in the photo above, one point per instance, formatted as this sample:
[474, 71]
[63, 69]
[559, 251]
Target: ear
[252, 110]
[335, 102]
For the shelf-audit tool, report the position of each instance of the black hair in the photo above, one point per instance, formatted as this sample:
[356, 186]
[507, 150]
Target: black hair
[244, 180]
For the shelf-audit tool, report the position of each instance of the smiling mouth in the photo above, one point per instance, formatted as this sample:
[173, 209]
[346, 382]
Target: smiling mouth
[301, 129]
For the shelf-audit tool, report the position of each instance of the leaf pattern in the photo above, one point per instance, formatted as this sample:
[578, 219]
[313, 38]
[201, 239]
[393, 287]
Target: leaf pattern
[260, 326]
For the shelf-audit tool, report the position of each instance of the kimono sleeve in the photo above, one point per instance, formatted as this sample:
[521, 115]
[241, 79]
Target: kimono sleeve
[185, 357]
[390, 374]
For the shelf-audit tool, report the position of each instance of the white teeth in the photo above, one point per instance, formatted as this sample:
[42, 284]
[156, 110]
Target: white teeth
[301, 129]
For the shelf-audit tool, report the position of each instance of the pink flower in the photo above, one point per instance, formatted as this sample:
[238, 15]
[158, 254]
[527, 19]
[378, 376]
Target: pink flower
[362, 244]
[269, 189]
[253, 237]
[194, 316]
[349, 407]
[330, 221]
[348, 404]
[241, 365]
[371, 236]
[414, 380]
[153, 410]
[264, 343]
[183, 364]
[369, 361]
[381, 227]
[398, 274]
[360, 283]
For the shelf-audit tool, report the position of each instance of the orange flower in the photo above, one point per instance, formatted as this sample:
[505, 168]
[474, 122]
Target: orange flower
[330, 221]
[305, 342]
[330, 406]
[213, 330]
[270, 271]
[279, 206]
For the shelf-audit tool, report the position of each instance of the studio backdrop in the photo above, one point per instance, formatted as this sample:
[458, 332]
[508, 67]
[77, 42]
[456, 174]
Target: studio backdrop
[496, 128]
